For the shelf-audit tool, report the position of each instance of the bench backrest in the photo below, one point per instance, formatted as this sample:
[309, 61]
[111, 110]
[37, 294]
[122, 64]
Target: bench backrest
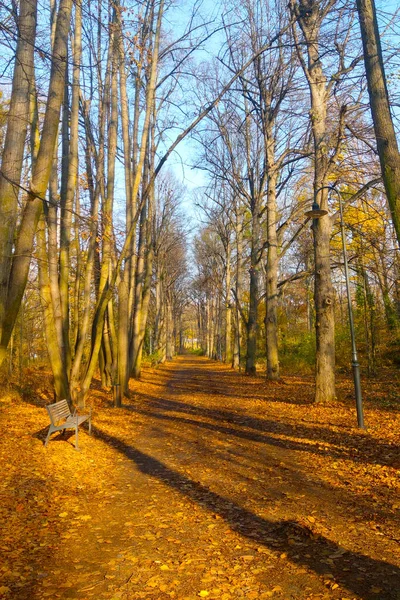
[58, 410]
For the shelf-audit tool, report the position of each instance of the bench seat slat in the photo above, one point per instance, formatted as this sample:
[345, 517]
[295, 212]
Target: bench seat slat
[72, 420]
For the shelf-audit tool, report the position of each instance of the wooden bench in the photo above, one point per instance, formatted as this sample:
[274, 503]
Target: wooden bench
[61, 419]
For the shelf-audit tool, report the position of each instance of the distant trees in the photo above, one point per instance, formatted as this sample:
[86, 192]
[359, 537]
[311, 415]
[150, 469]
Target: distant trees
[269, 106]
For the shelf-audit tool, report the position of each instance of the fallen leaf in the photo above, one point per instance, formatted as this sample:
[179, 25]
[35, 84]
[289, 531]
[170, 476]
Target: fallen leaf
[4, 589]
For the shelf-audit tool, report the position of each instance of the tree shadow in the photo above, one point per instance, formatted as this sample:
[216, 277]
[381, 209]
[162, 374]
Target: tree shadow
[205, 372]
[234, 455]
[346, 445]
[352, 570]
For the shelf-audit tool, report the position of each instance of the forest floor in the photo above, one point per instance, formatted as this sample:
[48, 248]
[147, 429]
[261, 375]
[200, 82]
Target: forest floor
[206, 484]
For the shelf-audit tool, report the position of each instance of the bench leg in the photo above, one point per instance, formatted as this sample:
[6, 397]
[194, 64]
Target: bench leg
[50, 431]
[76, 438]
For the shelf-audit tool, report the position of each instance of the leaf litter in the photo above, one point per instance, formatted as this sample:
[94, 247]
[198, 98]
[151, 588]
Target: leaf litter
[205, 484]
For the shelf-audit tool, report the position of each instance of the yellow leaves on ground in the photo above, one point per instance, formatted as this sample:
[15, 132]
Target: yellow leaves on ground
[206, 485]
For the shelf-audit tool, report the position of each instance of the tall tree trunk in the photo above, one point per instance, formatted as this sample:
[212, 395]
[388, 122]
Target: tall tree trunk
[13, 153]
[158, 315]
[139, 279]
[309, 18]
[271, 314]
[208, 321]
[124, 308]
[146, 286]
[69, 182]
[228, 307]
[251, 354]
[57, 363]
[238, 291]
[84, 324]
[40, 175]
[169, 327]
[386, 140]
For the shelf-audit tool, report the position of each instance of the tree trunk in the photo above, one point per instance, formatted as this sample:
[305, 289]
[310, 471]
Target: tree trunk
[228, 307]
[139, 280]
[238, 292]
[13, 152]
[309, 18]
[69, 183]
[54, 351]
[271, 314]
[251, 354]
[40, 175]
[386, 140]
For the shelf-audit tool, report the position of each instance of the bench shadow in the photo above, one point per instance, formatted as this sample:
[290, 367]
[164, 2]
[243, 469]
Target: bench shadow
[352, 570]
[61, 436]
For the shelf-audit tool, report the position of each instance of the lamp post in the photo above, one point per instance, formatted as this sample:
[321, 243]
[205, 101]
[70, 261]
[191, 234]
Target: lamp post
[317, 213]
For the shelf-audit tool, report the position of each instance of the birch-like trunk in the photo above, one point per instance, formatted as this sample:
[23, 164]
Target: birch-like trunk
[146, 289]
[139, 280]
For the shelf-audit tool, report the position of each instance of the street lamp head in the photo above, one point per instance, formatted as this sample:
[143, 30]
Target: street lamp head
[316, 212]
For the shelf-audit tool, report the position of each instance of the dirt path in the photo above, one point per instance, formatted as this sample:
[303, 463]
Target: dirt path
[209, 484]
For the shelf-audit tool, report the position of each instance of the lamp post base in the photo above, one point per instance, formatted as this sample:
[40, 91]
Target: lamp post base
[357, 388]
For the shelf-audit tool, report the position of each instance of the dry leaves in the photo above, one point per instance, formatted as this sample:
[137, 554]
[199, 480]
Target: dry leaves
[206, 484]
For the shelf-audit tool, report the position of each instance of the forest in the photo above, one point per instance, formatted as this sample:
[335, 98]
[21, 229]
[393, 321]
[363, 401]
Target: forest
[200, 247]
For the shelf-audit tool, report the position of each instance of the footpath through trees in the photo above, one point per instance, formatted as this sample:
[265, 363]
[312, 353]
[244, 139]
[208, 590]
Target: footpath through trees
[205, 484]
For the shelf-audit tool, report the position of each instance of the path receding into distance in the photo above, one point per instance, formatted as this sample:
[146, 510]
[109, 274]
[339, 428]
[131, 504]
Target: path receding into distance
[221, 492]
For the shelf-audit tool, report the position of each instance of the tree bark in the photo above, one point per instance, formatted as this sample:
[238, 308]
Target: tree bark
[69, 184]
[40, 175]
[271, 315]
[228, 307]
[386, 140]
[251, 353]
[13, 154]
[238, 291]
[309, 19]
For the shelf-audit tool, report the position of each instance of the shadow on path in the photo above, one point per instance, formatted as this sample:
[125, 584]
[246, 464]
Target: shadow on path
[352, 570]
[346, 446]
